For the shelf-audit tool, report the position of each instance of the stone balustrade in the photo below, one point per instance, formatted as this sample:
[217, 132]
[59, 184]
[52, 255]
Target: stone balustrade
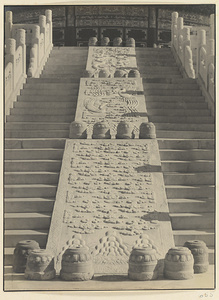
[15, 68]
[194, 48]
[25, 42]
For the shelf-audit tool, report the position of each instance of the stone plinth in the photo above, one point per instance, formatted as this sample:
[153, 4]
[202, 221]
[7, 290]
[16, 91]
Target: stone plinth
[110, 193]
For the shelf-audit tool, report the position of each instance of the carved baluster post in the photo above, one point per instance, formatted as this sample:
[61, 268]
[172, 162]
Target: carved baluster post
[10, 56]
[186, 42]
[212, 27]
[34, 52]
[201, 37]
[210, 64]
[179, 32]
[42, 23]
[8, 24]
[174, 28]
[21, 41]
[48, 14]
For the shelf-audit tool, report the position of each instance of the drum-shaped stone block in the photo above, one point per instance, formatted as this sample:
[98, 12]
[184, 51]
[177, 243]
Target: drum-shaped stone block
[124, 130]
[92, 41]
[104, 74]
[117, 42]
[40, 265]
[147, 131]
[105, 41]
[134, 73]
[101, 131]
[178, 264]
[143, 264]
[119, 73]
[21, 253]
[77, 130]
[87, 74]
[200, 254]
[130, 42]
[77, 264]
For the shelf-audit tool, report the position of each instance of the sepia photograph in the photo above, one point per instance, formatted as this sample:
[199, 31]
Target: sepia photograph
[109, 172]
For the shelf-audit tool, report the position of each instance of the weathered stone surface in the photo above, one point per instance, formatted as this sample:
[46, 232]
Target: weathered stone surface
[21, 253]
[40, 265]
[200, 254]
[147, 131]
[178, 264]
[77, 264]
[111, 186]
[143, 264]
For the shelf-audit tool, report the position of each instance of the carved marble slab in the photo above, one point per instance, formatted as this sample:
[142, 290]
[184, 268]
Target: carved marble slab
[111, 196]
[111, 59]
[112, 100]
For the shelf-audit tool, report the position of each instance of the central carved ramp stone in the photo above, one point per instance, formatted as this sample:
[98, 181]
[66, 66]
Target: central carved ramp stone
[111, 100]
[111, 197]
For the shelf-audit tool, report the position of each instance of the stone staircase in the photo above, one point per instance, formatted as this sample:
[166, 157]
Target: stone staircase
[38, 126]
[35, 135]
[185, 132]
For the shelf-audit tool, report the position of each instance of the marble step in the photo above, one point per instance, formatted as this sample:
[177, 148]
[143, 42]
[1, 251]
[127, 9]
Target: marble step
[173, 80]
[43, 111]
[171, 86]
[157, 69]
[56, 92]
[178, 112]
[183, 127]
[36, 126]
[42, 104]
[13, 236]
[161, 75]
[181, 236]
[70, 68]
[33, 154]
[189, 191]
[75, 81]
[186, 144]
[194, 154]
[31, 177]
[32, 165]
[182, 119]
[186, 205]
[72, 49]
[192, 221]
[184, 134]
[162, 92]
[51, 86]
[189, 178]
[34, 143]
[29, 190]
[47, 98]
[28, 205]
[74, 72]
[176, 105]
[27, 221]
[188, 166]
[37, 134]
[64, 61]
[174, 99]
[171, 71]
[41, 118]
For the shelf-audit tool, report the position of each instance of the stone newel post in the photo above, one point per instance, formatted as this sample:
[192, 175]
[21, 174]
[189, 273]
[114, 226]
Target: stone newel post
[21, 41]
[179, 30]
[10, 56]
[48, 14]
[174, 27]
[201, 41]
[42, 23]
[8, 24]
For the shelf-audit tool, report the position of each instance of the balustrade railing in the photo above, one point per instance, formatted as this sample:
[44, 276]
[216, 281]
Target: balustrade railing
[195, 52]
[27, 49]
